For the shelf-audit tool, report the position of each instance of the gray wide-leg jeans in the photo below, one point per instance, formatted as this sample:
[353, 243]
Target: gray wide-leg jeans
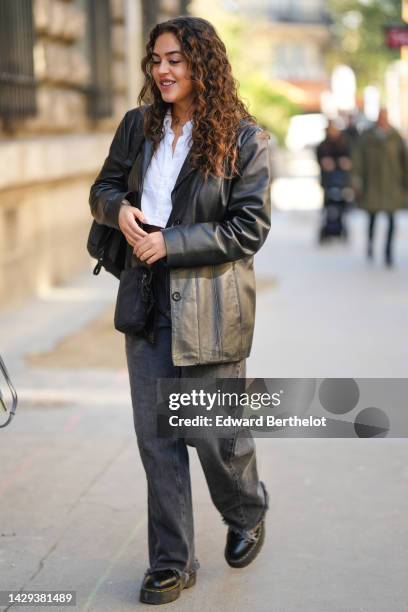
[231, 472]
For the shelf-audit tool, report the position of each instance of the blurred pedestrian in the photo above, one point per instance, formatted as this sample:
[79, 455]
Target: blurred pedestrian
[333, 156]
[380, 178]
[201, 210]
[351, 131]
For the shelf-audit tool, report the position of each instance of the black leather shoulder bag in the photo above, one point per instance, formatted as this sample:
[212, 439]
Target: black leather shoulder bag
[108, 246]
[135, 300]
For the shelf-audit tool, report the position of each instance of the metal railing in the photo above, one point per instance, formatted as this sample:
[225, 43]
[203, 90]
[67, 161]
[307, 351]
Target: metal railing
[8, 407]
[17, 83]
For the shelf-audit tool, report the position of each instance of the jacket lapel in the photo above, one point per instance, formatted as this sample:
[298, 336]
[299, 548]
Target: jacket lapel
[179, 203]
[185, 170]
[146, 158]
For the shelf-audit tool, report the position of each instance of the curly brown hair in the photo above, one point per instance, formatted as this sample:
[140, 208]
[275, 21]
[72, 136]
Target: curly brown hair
[218, 109]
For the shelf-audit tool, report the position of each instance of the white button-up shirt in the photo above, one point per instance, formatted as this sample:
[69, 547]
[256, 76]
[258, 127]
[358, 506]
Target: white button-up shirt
[162, 173]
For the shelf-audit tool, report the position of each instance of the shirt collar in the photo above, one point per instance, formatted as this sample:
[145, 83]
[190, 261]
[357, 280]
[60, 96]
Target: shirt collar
[187, 127]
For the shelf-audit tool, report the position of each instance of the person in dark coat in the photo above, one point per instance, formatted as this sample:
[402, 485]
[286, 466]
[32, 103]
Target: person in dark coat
[333, 154]
[351, 131]
[195, 206]
[380, 178]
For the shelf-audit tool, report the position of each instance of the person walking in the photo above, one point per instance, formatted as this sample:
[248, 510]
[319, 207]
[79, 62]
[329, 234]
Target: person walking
[194, 206]
[351, 131]
[333, 157]
[380, 178]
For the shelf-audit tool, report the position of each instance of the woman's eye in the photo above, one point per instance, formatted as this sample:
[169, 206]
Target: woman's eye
[157, 62]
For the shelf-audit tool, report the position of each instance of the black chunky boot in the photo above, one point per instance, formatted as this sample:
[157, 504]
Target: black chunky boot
[240, 551]
[164, 586]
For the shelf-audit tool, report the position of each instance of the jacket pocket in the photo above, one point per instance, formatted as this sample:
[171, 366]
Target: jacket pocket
[228, 312]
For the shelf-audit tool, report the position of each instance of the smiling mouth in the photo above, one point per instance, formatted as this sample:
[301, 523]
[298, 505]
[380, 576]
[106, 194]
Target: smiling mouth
[166, 83]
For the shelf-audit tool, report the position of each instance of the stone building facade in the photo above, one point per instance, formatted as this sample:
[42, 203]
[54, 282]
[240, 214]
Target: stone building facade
[298, 34]
[85, 57]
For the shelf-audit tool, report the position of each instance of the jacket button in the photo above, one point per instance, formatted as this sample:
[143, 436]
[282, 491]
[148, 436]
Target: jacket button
[177, 222]
[176, 296]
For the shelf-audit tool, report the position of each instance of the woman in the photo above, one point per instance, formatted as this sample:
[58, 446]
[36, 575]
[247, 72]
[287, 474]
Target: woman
[200, 189]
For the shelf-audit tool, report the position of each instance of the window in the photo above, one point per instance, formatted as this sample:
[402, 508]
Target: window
[297, 61]
[17, 83]
[100, 95]
[298, 11]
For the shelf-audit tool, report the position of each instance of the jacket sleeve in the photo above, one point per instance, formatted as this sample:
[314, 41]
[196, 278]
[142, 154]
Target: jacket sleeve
[110, 186]
[247, 223]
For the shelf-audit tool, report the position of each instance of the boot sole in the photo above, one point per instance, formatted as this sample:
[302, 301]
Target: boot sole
[163, 596]
[250, 556]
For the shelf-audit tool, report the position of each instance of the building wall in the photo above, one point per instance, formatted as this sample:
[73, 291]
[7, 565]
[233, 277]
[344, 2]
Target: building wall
[49, 161]
[298, 33]
[297, 53]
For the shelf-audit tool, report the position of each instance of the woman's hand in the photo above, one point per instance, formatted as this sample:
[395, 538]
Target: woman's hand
[128, 217]
[150, 248]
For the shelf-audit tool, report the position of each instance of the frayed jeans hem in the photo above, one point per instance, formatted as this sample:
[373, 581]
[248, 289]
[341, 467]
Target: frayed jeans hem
[184, 574]
[246, 532]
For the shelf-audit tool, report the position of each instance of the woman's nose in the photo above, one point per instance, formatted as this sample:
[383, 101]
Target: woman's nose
[163, 68]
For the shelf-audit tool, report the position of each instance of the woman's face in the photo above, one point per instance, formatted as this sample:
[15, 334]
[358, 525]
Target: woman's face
[170, 71]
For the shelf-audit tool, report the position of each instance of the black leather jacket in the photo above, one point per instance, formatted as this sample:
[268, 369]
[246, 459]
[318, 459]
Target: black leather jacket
[213, 231]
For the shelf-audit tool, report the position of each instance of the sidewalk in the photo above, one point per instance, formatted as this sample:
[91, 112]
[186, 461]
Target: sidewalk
[331, 313]
[72, 488]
